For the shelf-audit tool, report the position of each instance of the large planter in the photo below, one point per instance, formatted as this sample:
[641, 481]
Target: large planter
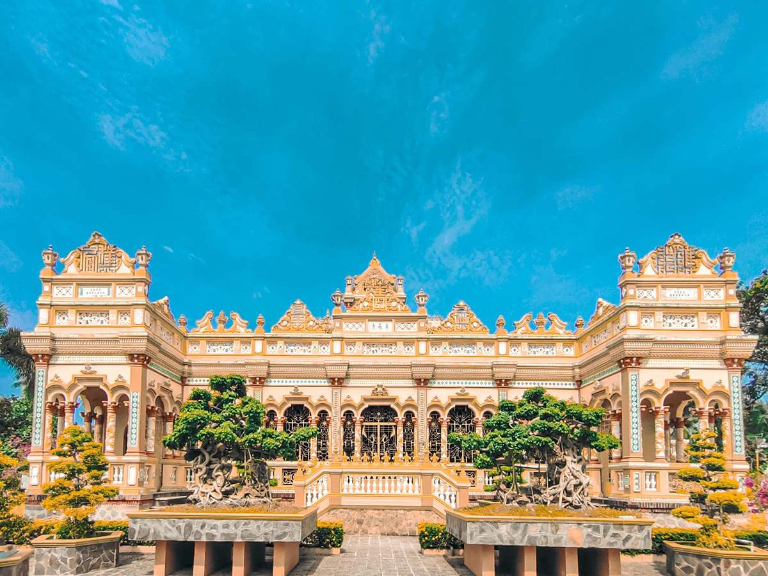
[521, 538]
[80, 556]
[14, 561]
[685, 559]
[209, 540]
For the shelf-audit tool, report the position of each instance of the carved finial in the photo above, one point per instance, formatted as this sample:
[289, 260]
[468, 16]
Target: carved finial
[50, 256]
[421, 298]
[726, 260]
[540, 321]
[336, 298]
[627, 259]
[579, 324]
[183, 322]
[684, 375]
[260, 321]
[143, 257]
[500, 323]
[221, 321]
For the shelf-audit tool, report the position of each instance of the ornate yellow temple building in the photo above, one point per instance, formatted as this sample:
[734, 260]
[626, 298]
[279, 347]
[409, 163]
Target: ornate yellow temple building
[382, 376]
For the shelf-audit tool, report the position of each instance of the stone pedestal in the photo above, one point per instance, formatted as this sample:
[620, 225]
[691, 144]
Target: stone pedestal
[683, 560]
[75, 556]
[17, 563]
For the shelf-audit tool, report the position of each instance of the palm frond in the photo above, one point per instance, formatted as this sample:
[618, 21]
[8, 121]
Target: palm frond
[14, 354]
[3, 315]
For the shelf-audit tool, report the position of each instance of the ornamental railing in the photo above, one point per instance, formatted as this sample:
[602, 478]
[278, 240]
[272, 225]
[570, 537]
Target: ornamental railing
[326, 484]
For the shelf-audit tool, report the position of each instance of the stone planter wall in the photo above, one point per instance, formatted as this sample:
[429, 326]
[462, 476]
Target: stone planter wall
[75, 556]
[17, 564]
[683, 560]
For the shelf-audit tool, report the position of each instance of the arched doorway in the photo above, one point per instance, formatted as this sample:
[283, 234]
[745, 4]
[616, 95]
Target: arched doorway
[378, 434]
[323, 421]
[462, 421]
[298, 416]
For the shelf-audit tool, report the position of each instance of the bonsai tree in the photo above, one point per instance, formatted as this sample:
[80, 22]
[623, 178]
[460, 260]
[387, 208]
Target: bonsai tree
[543, 429]
[221, 430]
[82, 484]
[717, 495]
[12, 526]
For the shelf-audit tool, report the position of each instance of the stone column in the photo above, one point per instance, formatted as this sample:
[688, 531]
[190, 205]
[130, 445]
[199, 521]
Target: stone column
[444, 439]
[680, 442]
[314, 421]
[658, 430]
[616, 431]
[399, 422]
[358, 436]
[50, 410]
[415, 422]
[421, 450]
[69, 414]
[725, 415]
[109, 432]
[60, 421]
[98, 429]
[281, 424]
[703, 419]
[736, 444]
[150, 431]
[87, 421]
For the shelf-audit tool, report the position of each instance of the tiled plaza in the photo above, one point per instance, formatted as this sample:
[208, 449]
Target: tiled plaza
[372, 556]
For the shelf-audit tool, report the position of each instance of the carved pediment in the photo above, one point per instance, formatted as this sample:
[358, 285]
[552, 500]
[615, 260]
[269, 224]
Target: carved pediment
[375, 290]
[98, 256]
[163, 307]
[205, 324]
[460, 320]
[298, 318]
[602, 308]
[675, 258]
[527, 325]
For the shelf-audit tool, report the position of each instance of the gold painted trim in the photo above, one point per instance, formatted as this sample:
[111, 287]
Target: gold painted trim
[492, 518]
[23, 553]
[732, 554]
[48, 540]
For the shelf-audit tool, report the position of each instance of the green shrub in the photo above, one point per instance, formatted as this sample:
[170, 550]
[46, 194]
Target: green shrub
[659, 535]
[326, 535]
[273, 482]
[14, 529]
[19, 530]
[434, 536]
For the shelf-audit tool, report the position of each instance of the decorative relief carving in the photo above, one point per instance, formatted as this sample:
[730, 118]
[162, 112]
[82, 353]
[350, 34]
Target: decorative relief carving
[602, 309]
[461, 319]
[713, 321]
[324, 348]
[462, 349]
[62, 317]
[568, 349]
[379, 348]
[541, 350]
[205, 324]
[220, 347]
[646, 293]
[298, 348]
[677, 257]
[681, 321]
[64, 291]
[98, 256]
[94, 291]
[487, 349]
[245, 347]
[126, 291]
[680, 293]
[350, 348]
[379, 326]
[92, 318]
[374, 291]
[298, 318]
[193, 348]
[601, 336]
[713, 293]
[435, 348]
[646, 321]
[124, 318]
[354, 326]
[379, 390]
[405, 326]
[515, 349]
[409, 348]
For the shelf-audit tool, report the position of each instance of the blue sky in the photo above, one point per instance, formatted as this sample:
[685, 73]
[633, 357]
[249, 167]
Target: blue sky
[501, 153]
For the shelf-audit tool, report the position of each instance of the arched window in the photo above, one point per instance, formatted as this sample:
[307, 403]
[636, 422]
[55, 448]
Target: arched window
[409, 435]
[297, 416]
[378, 435]
[462, 421]
[322, 435]
[433, 427]
[348, 433]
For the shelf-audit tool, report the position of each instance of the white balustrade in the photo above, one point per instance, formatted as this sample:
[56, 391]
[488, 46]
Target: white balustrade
[316, 490]
[444, 491]
[117, 474]
[380, 484]
[651, 481]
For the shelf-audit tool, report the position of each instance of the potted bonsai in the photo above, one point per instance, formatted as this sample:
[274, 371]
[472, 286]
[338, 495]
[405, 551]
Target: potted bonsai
[75, 547]
[716, 497]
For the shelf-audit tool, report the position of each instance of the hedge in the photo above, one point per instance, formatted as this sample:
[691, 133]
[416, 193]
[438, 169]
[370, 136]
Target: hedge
[19, 530]
[659, 535]
[326, 535]
[434, 536]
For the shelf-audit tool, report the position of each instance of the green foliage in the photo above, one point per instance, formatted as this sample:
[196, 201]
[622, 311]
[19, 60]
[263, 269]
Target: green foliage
[434, 536]
[14, 355]
[82, 486]
[530, 429]
[19, 530]
[15, 426]
[754, 321]
[226, 417]
[717, 495]
[326, 535]
[692, 535]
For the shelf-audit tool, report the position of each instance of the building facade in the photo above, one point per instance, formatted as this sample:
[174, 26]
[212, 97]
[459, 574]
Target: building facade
[382, 377]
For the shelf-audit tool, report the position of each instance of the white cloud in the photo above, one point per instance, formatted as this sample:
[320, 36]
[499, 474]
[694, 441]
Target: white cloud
[376, 38]
[144, 42]
[113, 3]
[439, 114]
[8, 259]
[571, 196]
[195, 258]
[413, 230]
[168, 249]
[692, 60]
[757, 119]
[11, 187]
